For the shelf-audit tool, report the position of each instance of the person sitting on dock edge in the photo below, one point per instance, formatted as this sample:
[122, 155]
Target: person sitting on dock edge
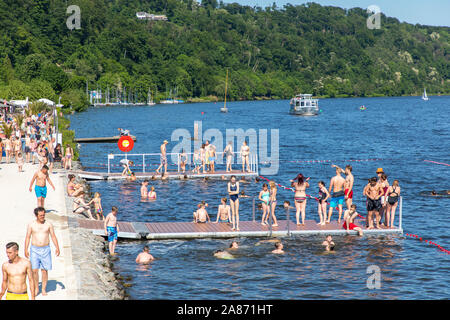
[201, 214]
[224, 212]
[349, 218]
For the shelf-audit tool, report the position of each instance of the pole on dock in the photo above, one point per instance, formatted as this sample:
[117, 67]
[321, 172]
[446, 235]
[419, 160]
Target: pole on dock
[288, 221]
[253, 208]
[400, 213]
[143, 163]
[270, 218]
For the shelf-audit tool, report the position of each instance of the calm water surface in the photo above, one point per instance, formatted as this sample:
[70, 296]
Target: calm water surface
[403, 131]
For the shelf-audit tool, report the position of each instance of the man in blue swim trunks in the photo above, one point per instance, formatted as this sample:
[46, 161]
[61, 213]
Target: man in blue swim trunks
[112, 230]
[40, 189]
[212, 157]
[337, 197]
[40, 255]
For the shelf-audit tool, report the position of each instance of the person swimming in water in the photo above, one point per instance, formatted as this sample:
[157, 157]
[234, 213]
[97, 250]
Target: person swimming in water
[278, 248]
[234, 245]
[144, 257]
[328, 243]
[222, 254]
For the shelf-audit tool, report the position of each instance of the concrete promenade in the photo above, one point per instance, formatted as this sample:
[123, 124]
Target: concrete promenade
[16, 207]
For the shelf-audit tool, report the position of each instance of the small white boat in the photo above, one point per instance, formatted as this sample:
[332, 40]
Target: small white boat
[424, 95]
[304, 105]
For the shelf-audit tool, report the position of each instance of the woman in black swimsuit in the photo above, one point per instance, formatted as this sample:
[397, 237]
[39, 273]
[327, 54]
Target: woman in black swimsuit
[322, 202]
[233, 191]
[392, 203]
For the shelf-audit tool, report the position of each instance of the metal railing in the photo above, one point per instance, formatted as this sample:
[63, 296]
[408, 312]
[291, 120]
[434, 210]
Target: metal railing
[176, 157]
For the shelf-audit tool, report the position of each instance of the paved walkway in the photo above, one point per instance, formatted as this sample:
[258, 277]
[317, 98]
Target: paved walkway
[16, 211]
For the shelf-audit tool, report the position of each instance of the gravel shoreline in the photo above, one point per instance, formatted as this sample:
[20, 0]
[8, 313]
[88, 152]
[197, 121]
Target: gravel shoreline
[93, 267]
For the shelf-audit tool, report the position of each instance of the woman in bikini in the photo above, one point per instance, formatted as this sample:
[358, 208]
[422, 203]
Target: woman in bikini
[73, 189]
[245, 152]
[264, 197]
[385, 185]
[69, 156]
[233, 191]
[8, 149]
[273, 202]
[300, 184]
[97, 205]
[223, 212]
[152, 194]
[228, 152]
[80, 207]
[393, 193]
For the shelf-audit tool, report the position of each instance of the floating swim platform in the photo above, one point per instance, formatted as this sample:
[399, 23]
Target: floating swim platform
[190, 230]
[170, 175]
[101, 139]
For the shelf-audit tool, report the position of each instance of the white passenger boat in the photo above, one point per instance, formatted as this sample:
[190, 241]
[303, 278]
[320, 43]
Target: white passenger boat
[304, 105]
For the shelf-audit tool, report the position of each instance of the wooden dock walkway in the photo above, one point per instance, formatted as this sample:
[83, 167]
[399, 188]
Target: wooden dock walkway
[101, 139]
[170, 175]
[190, 230]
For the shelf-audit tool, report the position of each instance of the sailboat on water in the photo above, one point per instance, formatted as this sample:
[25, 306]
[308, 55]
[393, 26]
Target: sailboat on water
[149, 99]
[424, 95]
[224, 109]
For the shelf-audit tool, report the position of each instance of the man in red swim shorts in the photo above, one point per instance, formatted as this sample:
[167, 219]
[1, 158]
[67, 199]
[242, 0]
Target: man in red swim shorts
[349, 217]
[348, 185]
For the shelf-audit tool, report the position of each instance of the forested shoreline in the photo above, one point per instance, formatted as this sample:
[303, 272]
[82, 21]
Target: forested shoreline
[271, 53]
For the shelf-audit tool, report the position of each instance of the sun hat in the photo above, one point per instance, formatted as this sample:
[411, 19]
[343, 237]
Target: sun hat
[380, 170]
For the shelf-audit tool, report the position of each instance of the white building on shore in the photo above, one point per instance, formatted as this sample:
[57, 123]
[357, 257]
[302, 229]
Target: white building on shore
[150, 16]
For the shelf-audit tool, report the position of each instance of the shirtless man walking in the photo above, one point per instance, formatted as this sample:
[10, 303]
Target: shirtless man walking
[15, 272]
[112, 229]
[348, 186]
[163, 158]
[337, 197]
[39, 232]
[40, 189]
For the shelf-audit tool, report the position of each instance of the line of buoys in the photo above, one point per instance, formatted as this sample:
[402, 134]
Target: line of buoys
[428, 241]
[445, 164]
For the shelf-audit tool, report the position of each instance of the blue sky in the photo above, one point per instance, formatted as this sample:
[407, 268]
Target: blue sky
[429, 12]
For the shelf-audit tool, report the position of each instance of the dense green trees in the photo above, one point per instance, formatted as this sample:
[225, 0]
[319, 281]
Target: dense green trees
[270, 52]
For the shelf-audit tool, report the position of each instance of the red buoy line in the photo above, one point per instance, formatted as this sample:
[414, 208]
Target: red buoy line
[428, 241]
[445, 164]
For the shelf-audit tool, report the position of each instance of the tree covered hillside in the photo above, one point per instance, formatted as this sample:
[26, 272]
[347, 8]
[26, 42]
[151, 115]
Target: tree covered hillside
[270, 52]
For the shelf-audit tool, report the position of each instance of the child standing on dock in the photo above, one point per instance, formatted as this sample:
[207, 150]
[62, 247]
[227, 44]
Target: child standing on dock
[97, 206]
[111, 227]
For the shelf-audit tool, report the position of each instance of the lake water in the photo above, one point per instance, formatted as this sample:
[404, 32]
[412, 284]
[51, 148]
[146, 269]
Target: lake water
[401, 131]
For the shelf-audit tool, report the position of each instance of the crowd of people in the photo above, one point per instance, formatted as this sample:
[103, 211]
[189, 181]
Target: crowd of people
[381, 204]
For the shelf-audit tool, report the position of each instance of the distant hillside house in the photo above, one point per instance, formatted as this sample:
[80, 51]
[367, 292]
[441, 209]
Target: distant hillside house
[150, 16]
